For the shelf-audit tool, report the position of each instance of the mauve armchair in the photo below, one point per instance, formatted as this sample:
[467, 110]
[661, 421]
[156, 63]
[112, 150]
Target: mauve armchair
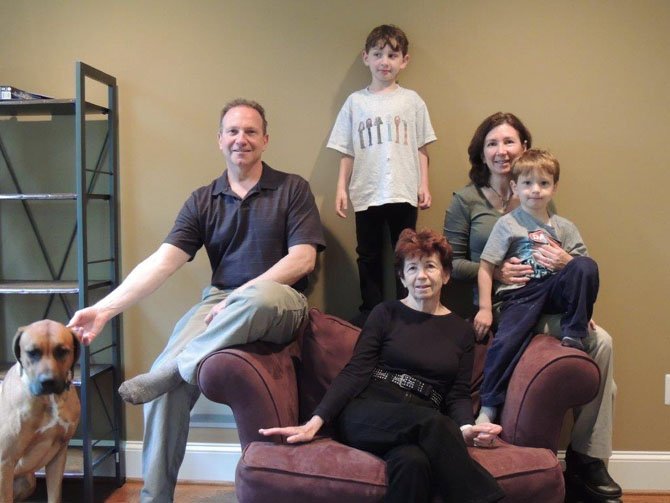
[268, 385]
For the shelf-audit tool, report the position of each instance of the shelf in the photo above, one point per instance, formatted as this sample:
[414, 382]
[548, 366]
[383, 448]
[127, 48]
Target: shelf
[13, 108]
[96, 448]
[96, 369]
[74, 464]
[67, 196]
[47, 287]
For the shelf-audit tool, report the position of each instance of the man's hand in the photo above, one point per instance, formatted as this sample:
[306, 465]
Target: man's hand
[88, 323]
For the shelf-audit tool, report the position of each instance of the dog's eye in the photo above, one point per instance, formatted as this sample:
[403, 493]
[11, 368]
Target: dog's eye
[61, 352]
[34, 354]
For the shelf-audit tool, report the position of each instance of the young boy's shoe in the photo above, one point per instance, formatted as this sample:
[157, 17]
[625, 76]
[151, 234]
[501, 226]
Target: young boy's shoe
[572, 342]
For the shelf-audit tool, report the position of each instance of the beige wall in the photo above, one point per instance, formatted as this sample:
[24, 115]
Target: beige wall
[588, 78]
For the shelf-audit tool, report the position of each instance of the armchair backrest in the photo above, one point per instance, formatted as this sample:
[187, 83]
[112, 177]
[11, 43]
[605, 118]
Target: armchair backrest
[326, 347]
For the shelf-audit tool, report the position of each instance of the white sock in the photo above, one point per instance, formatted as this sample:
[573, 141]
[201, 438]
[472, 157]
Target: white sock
[486, 415]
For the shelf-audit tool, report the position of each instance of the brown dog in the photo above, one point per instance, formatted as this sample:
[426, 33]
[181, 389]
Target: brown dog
[39, 410]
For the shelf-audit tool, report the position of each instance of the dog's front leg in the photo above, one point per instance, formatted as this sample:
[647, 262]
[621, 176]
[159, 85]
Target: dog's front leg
[6, 480]
[54, 475]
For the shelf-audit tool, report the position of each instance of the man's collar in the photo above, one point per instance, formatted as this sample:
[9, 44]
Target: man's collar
[269, 180]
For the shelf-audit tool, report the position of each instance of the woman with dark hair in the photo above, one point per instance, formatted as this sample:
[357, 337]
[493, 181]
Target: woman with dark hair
[422, 433]
[473, 212]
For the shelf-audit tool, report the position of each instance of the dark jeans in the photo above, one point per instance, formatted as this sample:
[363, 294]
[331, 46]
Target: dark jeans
[370, 227]
[570, 292]
[422, 447]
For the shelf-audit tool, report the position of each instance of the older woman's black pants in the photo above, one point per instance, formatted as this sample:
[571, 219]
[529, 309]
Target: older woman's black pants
[422, 448]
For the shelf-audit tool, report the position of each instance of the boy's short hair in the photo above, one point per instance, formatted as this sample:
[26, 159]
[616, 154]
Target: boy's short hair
[242, 102]
[533, 160]
[388, 34]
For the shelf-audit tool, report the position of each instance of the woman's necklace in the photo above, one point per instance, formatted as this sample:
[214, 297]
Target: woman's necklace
[504, 200]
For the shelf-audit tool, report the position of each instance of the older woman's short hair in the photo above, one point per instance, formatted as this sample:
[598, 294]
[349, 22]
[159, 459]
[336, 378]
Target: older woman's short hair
[479, 171]
[422, 244]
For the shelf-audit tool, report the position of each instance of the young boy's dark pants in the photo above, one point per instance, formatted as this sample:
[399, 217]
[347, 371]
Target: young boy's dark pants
[370, 228]
[570, 292]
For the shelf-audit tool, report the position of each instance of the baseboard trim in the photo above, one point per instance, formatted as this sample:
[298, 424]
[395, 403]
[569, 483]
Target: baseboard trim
[203, 462]
[207, 462]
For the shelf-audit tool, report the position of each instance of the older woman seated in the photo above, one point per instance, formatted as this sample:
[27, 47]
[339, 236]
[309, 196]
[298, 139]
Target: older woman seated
[404, 395]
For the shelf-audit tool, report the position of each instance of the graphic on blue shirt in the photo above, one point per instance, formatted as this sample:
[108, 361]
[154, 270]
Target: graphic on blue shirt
[536, 239]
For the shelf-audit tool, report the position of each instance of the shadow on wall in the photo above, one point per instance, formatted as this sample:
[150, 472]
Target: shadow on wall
[336, 267]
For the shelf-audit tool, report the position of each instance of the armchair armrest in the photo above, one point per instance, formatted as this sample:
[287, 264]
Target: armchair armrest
[549, 380]
[258, 382]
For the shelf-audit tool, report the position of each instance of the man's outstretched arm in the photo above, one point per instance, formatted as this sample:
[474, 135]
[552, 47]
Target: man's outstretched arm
[143, 280]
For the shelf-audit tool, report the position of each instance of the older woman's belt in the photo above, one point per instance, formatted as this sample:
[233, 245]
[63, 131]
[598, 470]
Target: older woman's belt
[406, 381]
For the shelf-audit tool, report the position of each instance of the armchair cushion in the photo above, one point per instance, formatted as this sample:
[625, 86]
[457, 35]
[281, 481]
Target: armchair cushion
[323, 471]
[326, 471]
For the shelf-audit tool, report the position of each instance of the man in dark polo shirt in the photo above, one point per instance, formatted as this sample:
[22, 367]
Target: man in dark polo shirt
[262, 231]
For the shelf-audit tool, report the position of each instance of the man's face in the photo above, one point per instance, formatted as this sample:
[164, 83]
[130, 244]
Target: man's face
[241, 138]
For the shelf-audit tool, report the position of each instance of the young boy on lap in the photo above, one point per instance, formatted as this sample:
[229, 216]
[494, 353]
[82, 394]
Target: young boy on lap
[570, 291]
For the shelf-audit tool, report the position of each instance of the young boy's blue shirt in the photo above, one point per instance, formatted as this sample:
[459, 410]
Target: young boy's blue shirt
[519, 234]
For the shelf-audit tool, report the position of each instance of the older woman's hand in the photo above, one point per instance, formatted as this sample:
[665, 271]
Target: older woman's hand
[482, 435]
[296, 434]
[513, 272]
[552, 256]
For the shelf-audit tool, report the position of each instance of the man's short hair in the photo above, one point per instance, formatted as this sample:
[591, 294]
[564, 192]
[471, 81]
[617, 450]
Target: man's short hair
[241, 102]
[388, 34]
[534, 160]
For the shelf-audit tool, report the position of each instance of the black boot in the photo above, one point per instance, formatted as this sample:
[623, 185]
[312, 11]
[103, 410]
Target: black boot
[588, 477]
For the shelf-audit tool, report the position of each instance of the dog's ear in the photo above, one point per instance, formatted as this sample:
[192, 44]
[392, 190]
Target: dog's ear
[16, 343]
[77, 349]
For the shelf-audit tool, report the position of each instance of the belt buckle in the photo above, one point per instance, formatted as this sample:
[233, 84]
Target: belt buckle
[406, 381]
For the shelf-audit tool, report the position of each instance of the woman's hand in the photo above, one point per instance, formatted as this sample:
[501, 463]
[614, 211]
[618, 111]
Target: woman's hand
[552, 256]
[295, 434]
[513, 272]
[482, 435]
[482, 323]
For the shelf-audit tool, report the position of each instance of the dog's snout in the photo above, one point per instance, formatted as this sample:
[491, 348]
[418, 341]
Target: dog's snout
[46, 385]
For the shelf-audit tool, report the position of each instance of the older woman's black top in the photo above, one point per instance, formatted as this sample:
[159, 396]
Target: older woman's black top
[436, 349]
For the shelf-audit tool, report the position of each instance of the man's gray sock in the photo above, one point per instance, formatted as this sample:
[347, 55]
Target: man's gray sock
[147, 387]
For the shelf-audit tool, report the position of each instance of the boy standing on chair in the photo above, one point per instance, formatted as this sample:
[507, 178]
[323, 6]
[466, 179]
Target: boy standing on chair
[382, 132]
[572, 291]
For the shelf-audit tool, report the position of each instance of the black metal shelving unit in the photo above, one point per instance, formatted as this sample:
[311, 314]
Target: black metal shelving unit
[89, 264]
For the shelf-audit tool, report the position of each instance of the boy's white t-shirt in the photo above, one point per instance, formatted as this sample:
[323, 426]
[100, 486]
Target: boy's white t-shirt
[383, 133]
